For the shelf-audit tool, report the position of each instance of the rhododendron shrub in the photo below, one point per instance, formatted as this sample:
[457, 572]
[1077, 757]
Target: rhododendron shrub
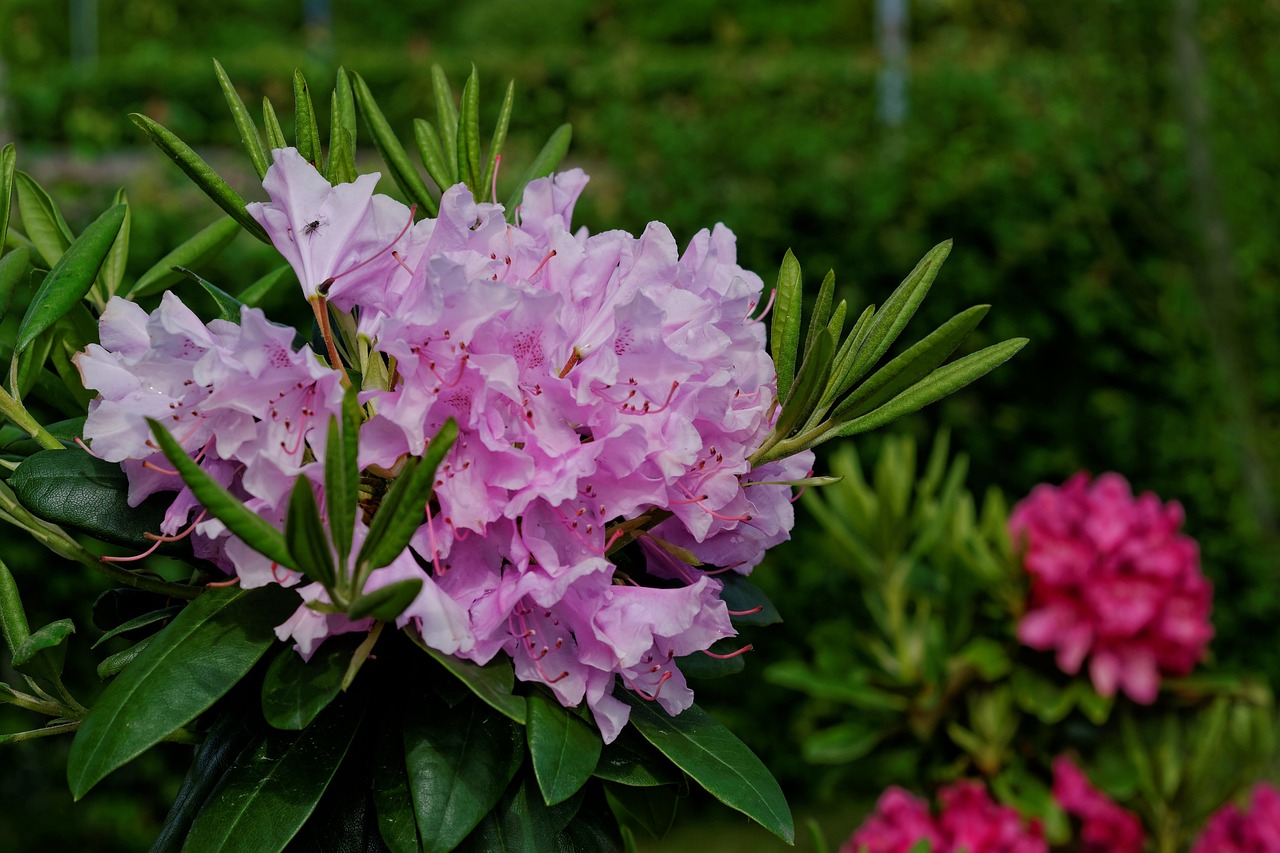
[967, 820]
[1113, 582]
[1255, 830]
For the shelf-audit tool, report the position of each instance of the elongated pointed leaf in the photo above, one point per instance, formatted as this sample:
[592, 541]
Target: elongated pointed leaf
[112, 273]
[499, 138]
[71, 277]
[341, 165]
[557, 145]
[139, 622]
[458, 764]
[295, 691]
[195, 252]
[784, 330]
[306, 133]
[716, 760]
[468, 144]
[342, 130]
[397, 823]
[244, 122]
[257, 532]
[937, 385]
[809, 384]
[650, 809]
[492, 682]
[821, 309]
[114, 664]
[201, 173]
[256, 292]
[13, 267]
[632, 760]
[446, 115]
[910, 367]
[522, 823]
[342, 474]
[13, 619]
[201, 655]
[564, 748]
[386, 603]
[228, 306]
[8, 165]
[304, 534]
[432, 153]
[391, 151]
[43, 652]
[42, 220]
[271, 125]
[274, 785]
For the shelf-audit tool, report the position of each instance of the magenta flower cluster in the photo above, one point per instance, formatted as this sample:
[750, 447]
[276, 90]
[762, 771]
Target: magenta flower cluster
[1105, 827]
[1112, 580]
[594, 379]
[1256, 830]
[969, 820]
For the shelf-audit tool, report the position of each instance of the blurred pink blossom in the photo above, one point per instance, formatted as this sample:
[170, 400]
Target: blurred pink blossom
[969, 820]
[1113, 580]
[1255, 831]
[1105, 826]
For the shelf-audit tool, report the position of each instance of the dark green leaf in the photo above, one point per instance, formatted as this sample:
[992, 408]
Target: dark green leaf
[468, 144]
[139, 622]
[564, 747]
[401, 512]
[304, 534]
[726, 659]
[342, 132]
[75, 489]
[809, 384]
[544, 164]
[742, 597]
[201, 655]
[631, 760]
[43, 222]
[844, 742]
[228, 306]
[384, 139]
[257, 532]
[522, 823]
[256, 292]
[386, 603]
[8, 164]
[499, 138]
[716, 760]
[112, 273]
[843, 364]
[342, 163]
[650, 809]
[784, 329]
[492, 682]
[13, 619]
[13, 267]
[43, 652]
[271, 124]
[458, 765]
[396, 820]
[32, 363]
[305, 131]
[114, 664]
[294, 691]
[446, 116]
[342, 474]
[822, 310]
[201, 173]
[71, 277]
[244, 122]
[197, 251]
[273, 786]
[432, 153]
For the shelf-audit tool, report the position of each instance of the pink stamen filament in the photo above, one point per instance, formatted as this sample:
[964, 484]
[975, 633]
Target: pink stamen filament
[654, 698]
[85, 448]
[146, 553]
[180, 536]
[740, 651]
[534, 274]
[750, 612]
[497, 164]
[773, 294]
[431, 538]
[627, 409]
[222, 584]
[323, 287]
[154, 467]
[712, 512]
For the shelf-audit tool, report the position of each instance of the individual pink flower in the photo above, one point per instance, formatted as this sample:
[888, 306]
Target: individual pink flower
[900, 822]
[1105, 827]
[968, 820]
[1257, 830]
[1114, 581]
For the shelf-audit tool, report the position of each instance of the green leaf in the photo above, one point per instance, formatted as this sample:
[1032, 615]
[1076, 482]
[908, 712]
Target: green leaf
[522, 823]
[43, 652]
[114, 664]
[13, 619]
[295, 691]
[458, 765]
[784, 329]
[342, 474]
[564, 747]
[940, 383]
[492, 682]
[75, 489]
[844, 742]
[384, 139]
[726, 659]
[401, 512]
[432, 153]
[273, 786]
[112, 273]
[71, 277]
[797, 676]
[342, 132]
[42, 220]
[201, 173]
[8, 164]
[305, 537]
[842, 366]
[469, 135]
[386, 603]
[271, 124]
[499, 138]
[742, 597]
[197, 251]
[631, 760]
[716, 760]
[13, 267]
[822, 310]
[256, 292]
[809, 384]
[650, 809]
[257, 532]
[341, 167]
[394, 804]
[189, 665]
[306, 133]
[228, 306]
[244, 122]
[557, 145]
[139, 622]
[446, 116]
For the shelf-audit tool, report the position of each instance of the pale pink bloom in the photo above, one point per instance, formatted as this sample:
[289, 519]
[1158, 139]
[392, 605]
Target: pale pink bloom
[1105, 827]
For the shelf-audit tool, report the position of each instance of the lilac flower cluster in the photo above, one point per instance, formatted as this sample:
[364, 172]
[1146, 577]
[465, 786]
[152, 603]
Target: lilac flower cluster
[595, 379]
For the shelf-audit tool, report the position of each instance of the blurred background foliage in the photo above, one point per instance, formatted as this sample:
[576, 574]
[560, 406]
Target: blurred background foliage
[1108, 170]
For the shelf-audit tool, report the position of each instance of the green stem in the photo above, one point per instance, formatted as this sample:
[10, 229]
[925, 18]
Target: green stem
[16, 412]
[47, 731]
[69, 699]
[31, 703]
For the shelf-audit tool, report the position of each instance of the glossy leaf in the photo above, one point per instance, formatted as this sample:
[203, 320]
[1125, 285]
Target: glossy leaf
[341, 165]
[295, 691]
[71, 277]
[650, 809]
[397, 823]
[271, 125]
[77, 490]
[137, 622]
[13, 619]
[13, 267]
[384, 139]
[113, 268]
[492, 682]
[306, 133]
[809, 384]
[557, 145]
[8, 165]
[522, 823]
[432, 152]
[726, 658]
[113, 665]
[43, 652]
[843, 364]
[228, 306]
[468, 144]
[446, 117]
[821, 310]
[257, 532]
[201, 173]
[42, 220]
[715, 759]
[742, 597]
[564, 748]
[386, 603]
[342, 474]
[499, 138]
[189, 665]
[305, 536]
[195, 252]
[244, 122]
[274, 785]
[458, 765]
[256, 292]
[784, 329]
[631, 760]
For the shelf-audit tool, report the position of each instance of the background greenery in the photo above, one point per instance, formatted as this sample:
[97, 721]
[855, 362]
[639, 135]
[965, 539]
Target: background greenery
[1108, 171]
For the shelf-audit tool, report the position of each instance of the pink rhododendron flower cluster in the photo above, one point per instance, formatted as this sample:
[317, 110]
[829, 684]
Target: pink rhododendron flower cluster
[969, 820]
[593, 378]
[1113, 580]
[1105, 827]
[1257, 830]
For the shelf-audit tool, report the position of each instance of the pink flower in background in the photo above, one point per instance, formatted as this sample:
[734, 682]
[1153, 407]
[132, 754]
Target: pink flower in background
[1256, 831]
[1112, 580]
[969, 821]
[1105, 826]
